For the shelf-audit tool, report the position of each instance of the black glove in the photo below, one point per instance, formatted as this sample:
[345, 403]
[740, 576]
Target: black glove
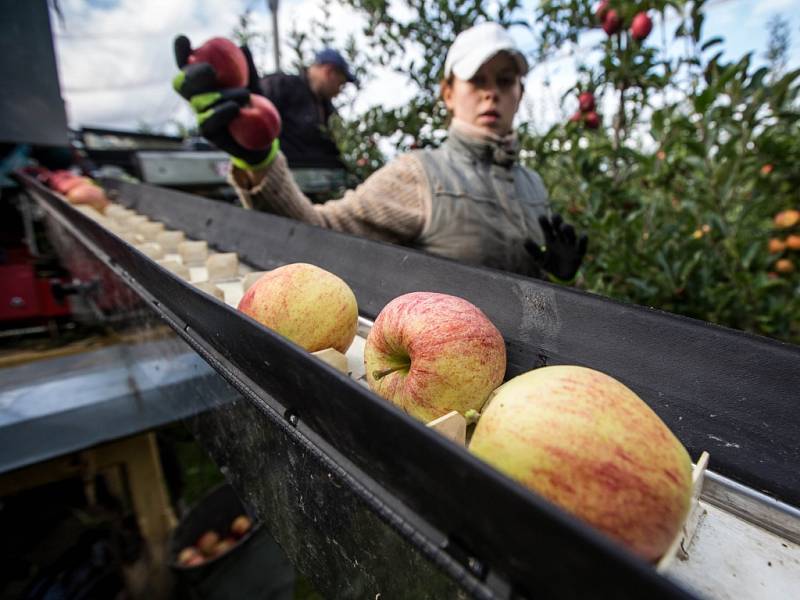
[563, 252]
[216, 107]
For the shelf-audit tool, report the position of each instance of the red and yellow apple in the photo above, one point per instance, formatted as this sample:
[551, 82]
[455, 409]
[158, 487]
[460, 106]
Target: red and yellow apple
[787, 219]
[589, 444]
[207, 542]
[70, 183]
[784, 266]
[431, 354]
[241, 525]
[223, 546]
[586, 101]
[641, 26]
[188, 555]
[88, 193]
[602, 10]
[310, 306]
[257, 124]
[592, 120]
[776, 246]
[612, 22]
[227, 59]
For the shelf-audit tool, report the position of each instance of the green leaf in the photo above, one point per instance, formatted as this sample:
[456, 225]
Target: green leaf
[712, 42]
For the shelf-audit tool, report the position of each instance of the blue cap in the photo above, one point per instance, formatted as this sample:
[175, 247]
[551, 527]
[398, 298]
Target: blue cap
[329, 56]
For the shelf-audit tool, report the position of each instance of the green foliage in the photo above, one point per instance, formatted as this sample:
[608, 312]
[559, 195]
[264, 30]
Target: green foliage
[677, 189]
[673, 195]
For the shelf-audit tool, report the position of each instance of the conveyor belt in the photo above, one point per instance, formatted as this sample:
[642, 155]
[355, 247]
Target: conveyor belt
[432, 499]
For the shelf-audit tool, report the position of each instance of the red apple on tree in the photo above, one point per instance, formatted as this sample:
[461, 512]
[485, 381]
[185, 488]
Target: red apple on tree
[257, 124]
[601, 11]
[641, 26]
[612, 22]
[431, 354]
[226, 58]
[586, 101]
[787, 219]
[592, 120]
[589, 444]
[576, 117]
[310, 306]
[776, 246]
[784, 266]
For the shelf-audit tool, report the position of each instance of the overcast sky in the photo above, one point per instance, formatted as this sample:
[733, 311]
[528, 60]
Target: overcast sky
[115, 56]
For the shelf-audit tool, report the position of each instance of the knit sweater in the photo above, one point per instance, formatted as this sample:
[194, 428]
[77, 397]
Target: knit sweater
[392, 205]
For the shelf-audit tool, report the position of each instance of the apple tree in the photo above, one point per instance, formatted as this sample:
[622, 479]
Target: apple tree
[676, 159]
[679, 187]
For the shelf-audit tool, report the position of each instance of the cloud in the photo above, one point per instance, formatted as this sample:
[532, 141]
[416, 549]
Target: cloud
[765, 7]
[115, 57]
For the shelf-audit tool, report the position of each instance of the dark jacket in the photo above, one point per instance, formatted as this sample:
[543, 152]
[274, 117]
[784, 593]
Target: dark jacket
[304, 137]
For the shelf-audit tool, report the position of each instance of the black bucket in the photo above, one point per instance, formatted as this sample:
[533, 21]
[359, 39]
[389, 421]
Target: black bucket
[255, 568]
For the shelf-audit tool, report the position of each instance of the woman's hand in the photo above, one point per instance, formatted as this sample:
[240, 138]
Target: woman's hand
[217, 107]
[562, 252]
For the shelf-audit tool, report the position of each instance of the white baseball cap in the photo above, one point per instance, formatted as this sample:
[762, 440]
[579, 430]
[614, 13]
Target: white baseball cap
[474, 46]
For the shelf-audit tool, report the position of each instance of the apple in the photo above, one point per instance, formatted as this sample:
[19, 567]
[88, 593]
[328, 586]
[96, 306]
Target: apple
[787, 218]
[241, 525]
[793, 242]
[776, 246]
[71, 183]
[310, 306]
[187, 554]
[207, 542]
[785, 266]
[576, 117]
[223, 546]
[431, 354]
[612, 22]
[586, 102]
[601, 11]
[641, 26]
[226, 58]
[195, 561]
[57, 179]
[592, 120]
[88, 193]
[766, 169]
[590, 445]
[257, 124]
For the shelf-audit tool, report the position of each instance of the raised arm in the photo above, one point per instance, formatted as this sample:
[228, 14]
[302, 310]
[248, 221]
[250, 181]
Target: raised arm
[392, 205]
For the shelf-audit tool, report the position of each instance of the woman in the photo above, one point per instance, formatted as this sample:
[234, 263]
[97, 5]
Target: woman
[468, 200]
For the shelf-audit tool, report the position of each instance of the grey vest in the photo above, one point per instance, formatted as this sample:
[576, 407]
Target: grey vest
[481, 212]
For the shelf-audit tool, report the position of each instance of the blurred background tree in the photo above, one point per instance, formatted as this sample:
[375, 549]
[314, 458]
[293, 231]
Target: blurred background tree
[676, 167]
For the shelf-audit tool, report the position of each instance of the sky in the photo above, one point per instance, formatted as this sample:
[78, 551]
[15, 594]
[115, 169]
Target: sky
[115, 56]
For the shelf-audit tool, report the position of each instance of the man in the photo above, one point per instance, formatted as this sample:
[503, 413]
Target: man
[304, 103]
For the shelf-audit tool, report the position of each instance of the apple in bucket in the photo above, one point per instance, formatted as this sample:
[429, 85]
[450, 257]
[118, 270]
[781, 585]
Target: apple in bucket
[310, 306]
[431, 354]
[589, 444]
